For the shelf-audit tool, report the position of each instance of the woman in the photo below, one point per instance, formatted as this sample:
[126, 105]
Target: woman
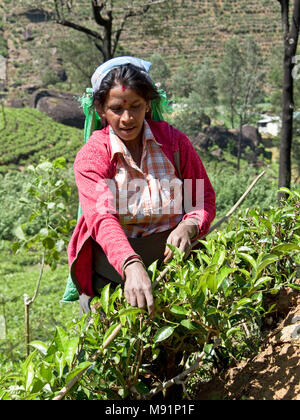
[131, 188]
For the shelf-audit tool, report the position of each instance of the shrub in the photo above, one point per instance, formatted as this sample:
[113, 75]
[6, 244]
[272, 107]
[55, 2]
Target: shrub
[207, 307]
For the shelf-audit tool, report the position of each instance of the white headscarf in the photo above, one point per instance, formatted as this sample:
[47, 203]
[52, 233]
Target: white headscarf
[106, 67]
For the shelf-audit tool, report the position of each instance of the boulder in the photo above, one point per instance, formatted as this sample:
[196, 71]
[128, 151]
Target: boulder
[62, 107]
[36, 15]
[28, 35]
[202, 140]
[15, 103]
[252, 134]
[219, 136]
[218, 153]
[250, 137]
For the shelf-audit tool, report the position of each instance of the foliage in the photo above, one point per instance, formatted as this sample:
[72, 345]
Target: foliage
[181, 84]
[18, 274]
[239, 78]
[205, 85]
[160, 71]
[49, 225]
[80, 60]
[229, 186]
[212, 302]
[190, 115]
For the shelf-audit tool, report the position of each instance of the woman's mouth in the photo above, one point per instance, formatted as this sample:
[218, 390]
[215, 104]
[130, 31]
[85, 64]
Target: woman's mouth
[127, 130]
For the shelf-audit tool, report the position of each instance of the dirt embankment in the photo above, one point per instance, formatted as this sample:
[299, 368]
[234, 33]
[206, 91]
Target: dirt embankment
[274, 373]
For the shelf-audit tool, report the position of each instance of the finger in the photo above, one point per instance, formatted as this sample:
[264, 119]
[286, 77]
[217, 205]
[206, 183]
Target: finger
[141, 300]
[173, 240]
[150, 302]
[132, 299]
[168, 255]
[168, 252]
[127, 294]
[185, 247]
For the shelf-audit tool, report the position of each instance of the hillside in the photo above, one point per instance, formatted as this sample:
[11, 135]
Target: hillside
[191, 31]
[28, 134]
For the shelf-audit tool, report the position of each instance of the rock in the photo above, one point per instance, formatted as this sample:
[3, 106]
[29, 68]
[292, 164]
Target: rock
[61, 74]
[27, 35]
[219, 136]
[252, 134]
[290, 333]
[15, 103]
[62, 107]
[218, 153]
[202, 140]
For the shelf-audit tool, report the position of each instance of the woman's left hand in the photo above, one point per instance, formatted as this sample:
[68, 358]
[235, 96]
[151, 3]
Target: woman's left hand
[181, 238]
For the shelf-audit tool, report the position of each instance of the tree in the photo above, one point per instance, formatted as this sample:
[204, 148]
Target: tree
[160, 71]
[205, 85]
[239, 81]
[290, 41]
[110, 17]
[181, 85]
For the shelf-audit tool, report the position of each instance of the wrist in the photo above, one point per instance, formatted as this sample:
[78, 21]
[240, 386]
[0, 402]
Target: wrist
[131, 261]
[132, 264]
[192, 225]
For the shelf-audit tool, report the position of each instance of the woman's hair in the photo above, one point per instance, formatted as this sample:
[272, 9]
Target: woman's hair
[130, 77]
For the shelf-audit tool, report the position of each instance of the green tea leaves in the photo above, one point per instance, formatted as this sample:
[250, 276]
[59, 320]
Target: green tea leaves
[163, 333]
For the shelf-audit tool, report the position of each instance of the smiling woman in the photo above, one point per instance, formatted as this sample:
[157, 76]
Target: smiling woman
[133, 150]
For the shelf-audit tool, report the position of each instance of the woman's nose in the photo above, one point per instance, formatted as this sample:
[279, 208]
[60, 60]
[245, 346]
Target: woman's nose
[126, 115]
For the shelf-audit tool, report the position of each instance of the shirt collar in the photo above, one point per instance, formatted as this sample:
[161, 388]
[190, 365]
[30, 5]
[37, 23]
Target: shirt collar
[117, 146]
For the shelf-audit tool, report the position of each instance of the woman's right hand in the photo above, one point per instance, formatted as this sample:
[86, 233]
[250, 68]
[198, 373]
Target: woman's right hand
[137, 289]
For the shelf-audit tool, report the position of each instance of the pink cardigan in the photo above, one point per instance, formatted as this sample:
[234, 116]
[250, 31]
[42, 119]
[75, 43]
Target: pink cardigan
[92, 163]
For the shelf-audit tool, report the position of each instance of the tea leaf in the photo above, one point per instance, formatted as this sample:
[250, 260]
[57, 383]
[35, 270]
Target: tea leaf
[163, 333]
[105, 298]
[131, 311]
[176, 309]
[286, 247]
[82, 366]
[39, 345]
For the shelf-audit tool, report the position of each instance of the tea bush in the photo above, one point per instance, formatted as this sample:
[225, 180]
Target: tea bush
[211, 304]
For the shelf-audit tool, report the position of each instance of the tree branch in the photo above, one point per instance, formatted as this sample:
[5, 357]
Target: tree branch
[80, 28]
[97, 9]
[177, 379]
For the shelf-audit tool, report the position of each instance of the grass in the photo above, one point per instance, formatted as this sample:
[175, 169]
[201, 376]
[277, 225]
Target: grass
[47, 312]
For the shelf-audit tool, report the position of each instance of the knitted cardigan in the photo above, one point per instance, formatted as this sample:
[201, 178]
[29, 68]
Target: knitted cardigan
[93, 162]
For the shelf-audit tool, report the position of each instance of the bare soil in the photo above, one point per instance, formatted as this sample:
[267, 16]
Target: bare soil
[272, 374]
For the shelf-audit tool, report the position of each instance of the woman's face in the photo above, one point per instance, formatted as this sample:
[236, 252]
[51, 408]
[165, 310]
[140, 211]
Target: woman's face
[124, 110]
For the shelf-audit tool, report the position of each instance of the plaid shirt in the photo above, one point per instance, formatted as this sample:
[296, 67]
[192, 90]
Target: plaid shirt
[145, 195]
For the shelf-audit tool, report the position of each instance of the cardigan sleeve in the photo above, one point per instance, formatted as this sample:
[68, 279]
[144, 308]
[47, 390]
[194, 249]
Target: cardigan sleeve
[93, 172]
[198, 193]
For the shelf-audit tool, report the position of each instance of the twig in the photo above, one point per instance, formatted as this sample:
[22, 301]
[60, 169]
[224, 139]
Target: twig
[207, 327]
[28, 302]
[177, 379]
[241, 199]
